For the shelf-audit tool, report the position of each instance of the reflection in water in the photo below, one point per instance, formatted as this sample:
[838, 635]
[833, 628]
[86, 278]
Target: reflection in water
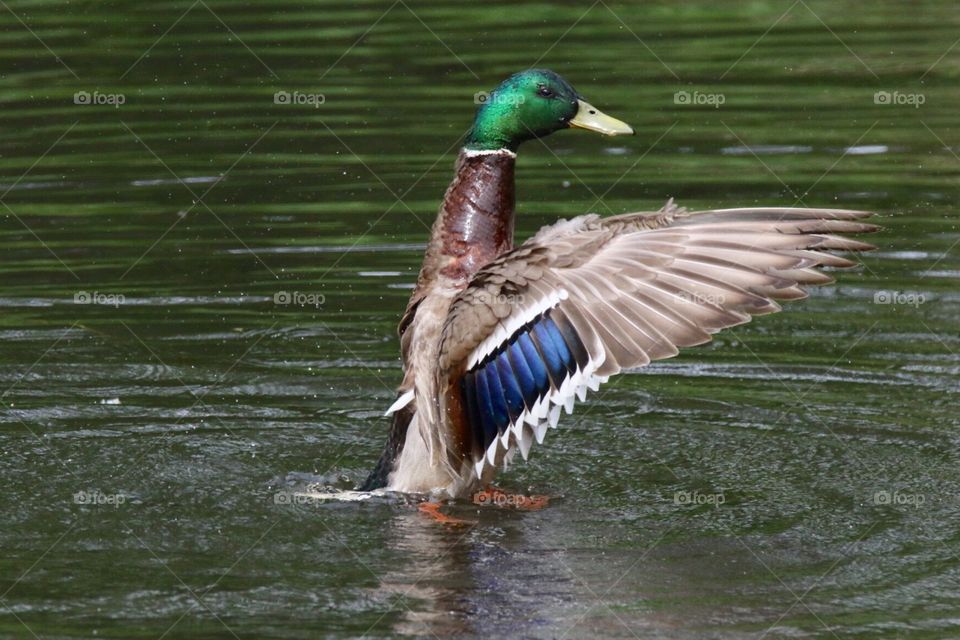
[500, 577]
[431, 587]
[496, 577]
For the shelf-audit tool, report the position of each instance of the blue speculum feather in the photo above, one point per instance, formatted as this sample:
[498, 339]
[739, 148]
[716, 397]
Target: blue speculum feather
[556, 367]
[553, 332]
[519, 373]
[500, 414]
[524, 376]
[572, 340]
[485, 408]
[511, 390]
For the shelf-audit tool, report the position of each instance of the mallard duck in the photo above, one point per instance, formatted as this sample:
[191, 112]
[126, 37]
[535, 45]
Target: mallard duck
[497, 340]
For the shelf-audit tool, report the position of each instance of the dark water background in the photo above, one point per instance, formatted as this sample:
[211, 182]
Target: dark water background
[796, 478]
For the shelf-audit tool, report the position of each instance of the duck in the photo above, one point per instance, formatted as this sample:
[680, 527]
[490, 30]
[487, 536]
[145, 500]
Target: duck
[499, 340]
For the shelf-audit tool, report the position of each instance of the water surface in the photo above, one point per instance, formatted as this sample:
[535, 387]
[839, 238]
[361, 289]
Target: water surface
[201, 286]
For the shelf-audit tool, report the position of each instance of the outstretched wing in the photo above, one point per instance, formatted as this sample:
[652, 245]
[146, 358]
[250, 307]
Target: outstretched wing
[586, 298]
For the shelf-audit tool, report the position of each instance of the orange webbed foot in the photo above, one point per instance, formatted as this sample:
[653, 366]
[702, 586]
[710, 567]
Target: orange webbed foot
[432, 510]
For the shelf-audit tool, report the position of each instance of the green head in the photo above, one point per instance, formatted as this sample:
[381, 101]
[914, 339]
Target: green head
[532, 104]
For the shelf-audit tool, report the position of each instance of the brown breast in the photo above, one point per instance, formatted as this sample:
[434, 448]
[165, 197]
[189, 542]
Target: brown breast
[474, 225]
[476, 218]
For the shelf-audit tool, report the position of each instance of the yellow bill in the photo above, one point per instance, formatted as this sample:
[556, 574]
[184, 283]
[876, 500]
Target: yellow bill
[589, 117]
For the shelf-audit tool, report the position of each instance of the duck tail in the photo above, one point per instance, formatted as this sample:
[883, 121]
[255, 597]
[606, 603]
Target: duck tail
[380, 475]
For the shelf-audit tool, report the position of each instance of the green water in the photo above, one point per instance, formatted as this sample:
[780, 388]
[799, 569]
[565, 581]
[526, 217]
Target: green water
[819, 446]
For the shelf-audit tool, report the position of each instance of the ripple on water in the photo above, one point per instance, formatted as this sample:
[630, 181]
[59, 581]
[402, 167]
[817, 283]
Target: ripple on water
[363, 248]
[766, 149]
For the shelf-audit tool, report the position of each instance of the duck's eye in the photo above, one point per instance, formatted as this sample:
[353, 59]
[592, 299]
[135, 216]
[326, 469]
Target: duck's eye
[544, 91]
